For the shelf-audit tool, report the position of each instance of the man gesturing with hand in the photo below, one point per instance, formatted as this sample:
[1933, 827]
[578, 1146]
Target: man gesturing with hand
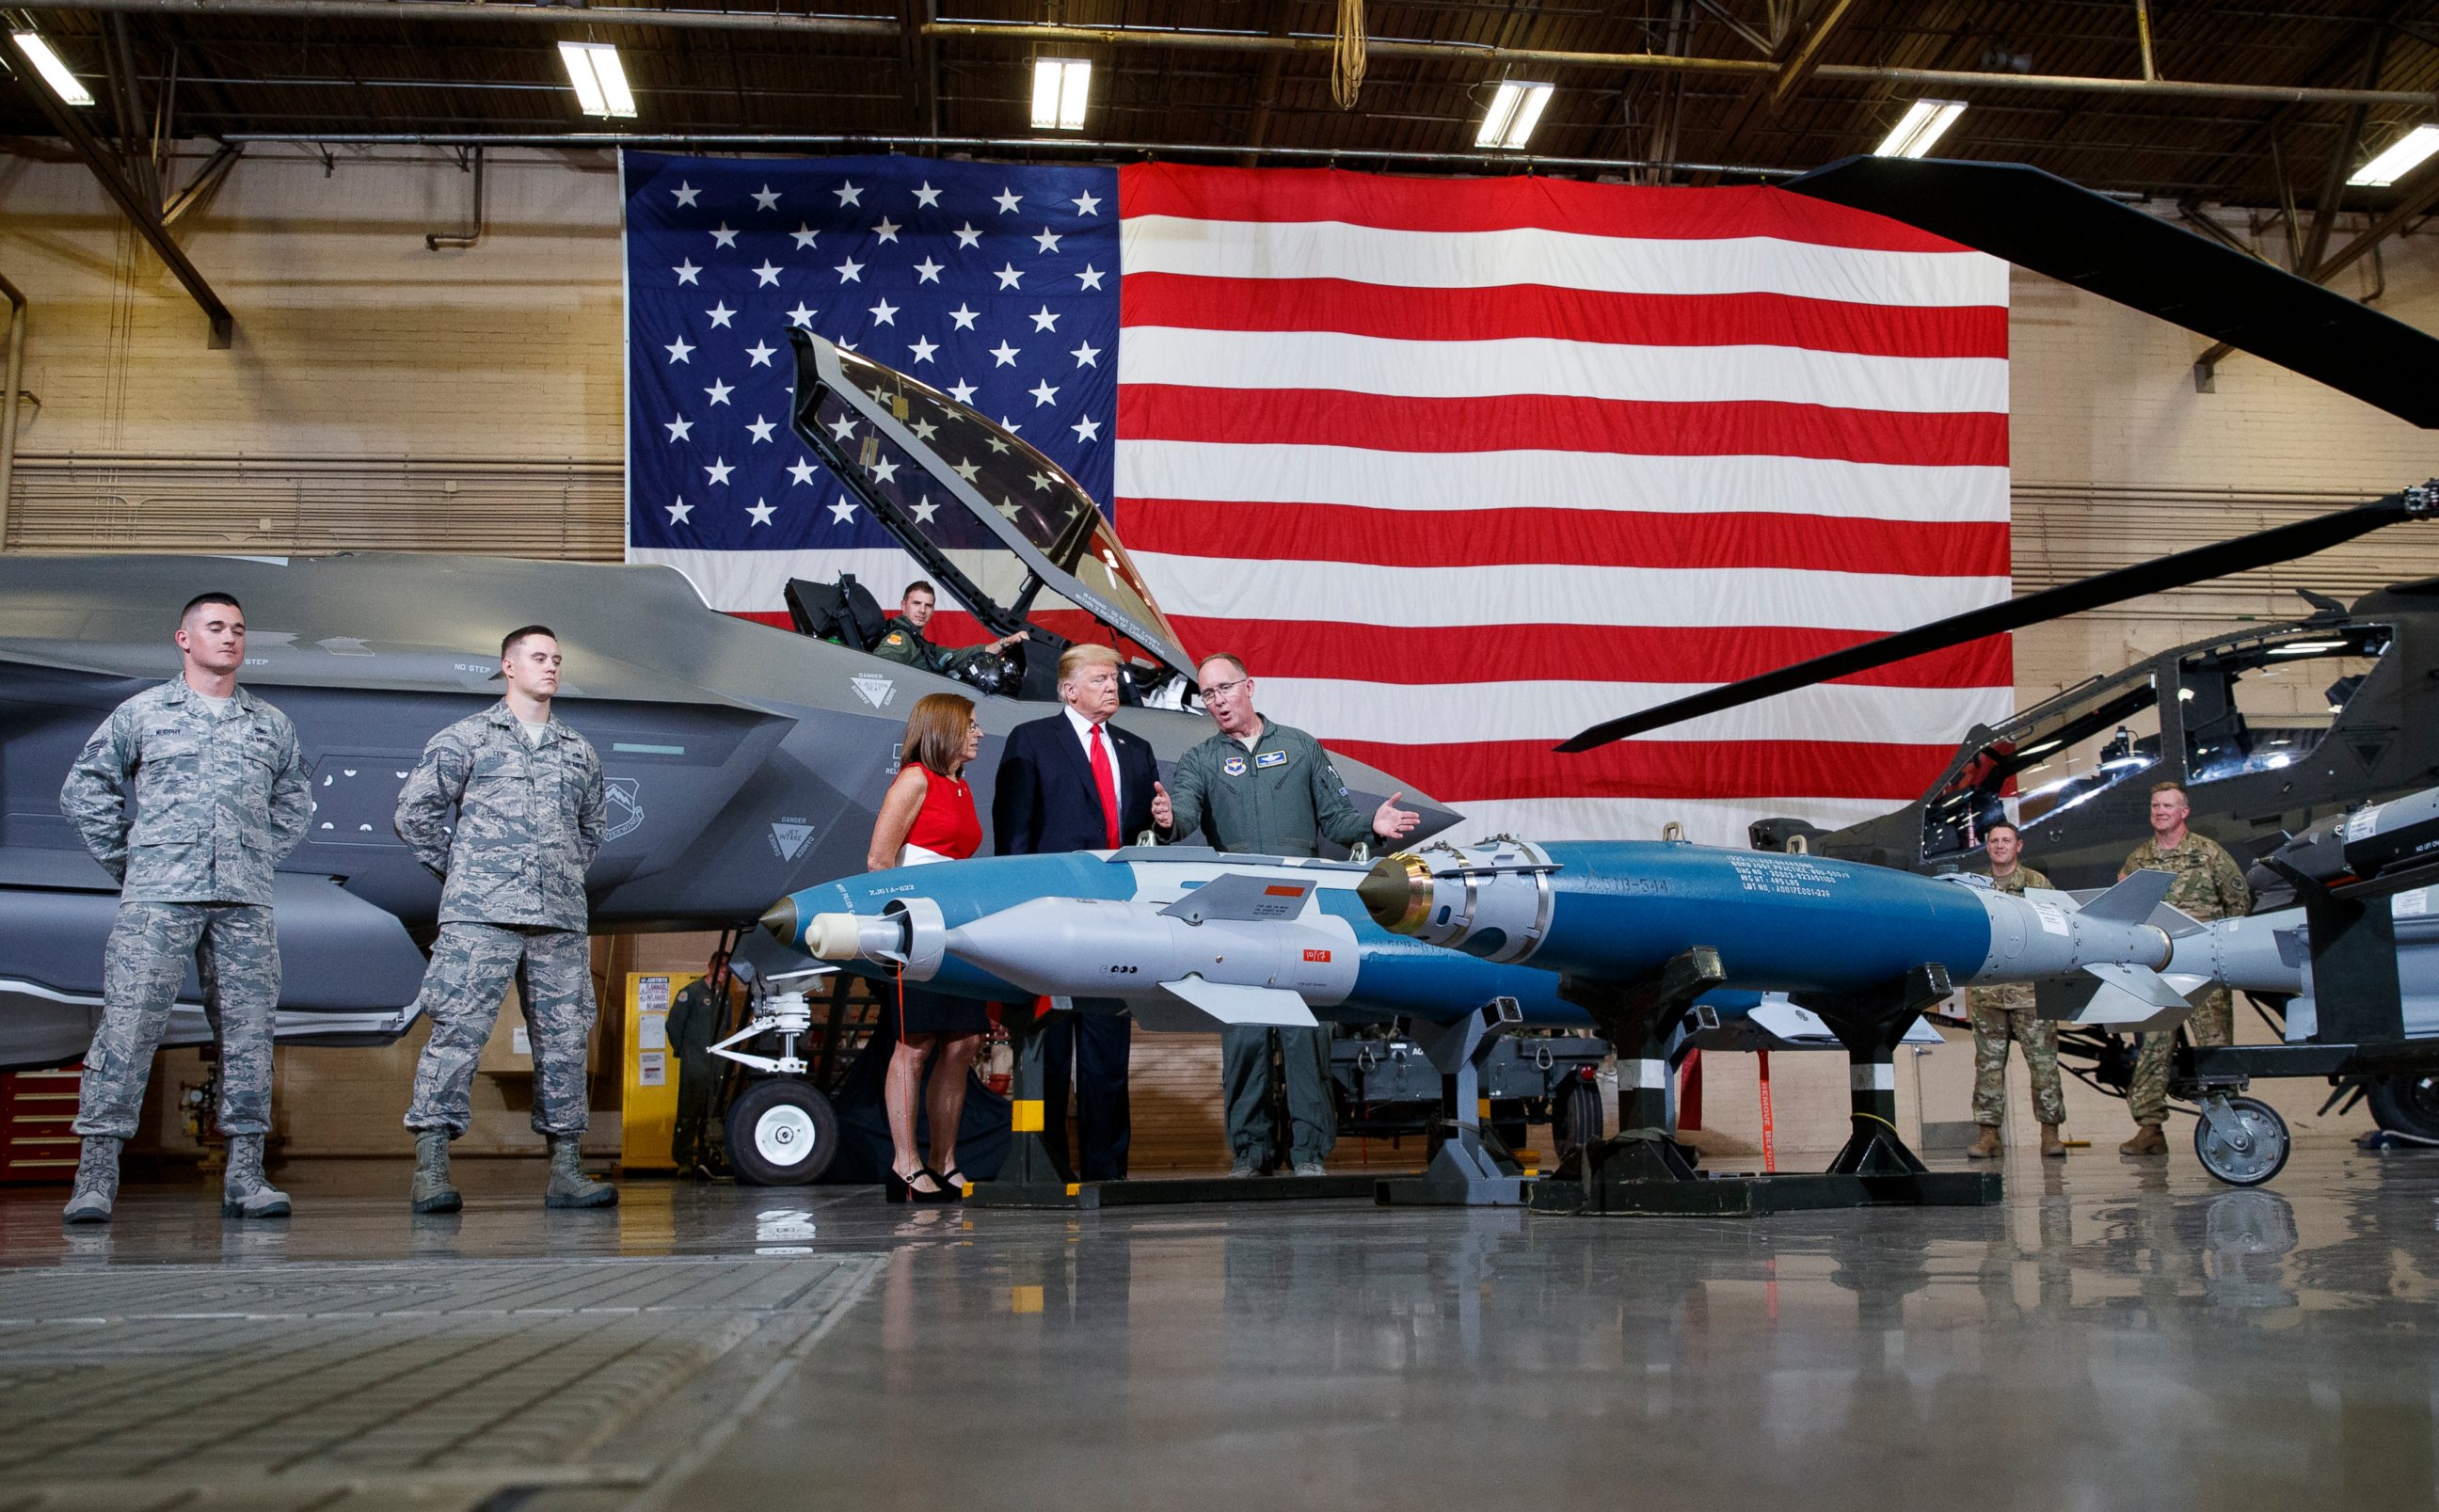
[1269, 790]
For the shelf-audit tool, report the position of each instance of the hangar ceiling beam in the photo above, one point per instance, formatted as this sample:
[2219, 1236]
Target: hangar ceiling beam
[145, 215]
[1029, 32]
[511, 10]
[1806, 59]
[739, 141]
[2408, 209]
[2342, 161]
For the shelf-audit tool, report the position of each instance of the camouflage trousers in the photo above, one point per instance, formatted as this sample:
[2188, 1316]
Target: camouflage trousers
[463, 989]
[2214, 1022]
[1998, 1017]
[236, 957]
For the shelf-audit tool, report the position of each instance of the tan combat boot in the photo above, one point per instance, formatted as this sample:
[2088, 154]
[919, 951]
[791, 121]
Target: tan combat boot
[2052, 1148]
[569, 1186]
[1988, 1147]
[2147, 1140]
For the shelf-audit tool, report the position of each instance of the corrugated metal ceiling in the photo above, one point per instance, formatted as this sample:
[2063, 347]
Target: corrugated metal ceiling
[226, 73]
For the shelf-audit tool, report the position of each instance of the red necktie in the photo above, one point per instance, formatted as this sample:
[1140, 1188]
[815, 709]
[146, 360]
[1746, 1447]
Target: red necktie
[1106, 777]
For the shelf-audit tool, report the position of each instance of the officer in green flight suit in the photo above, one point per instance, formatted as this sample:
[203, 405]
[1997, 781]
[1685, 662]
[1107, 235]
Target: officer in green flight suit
[1267, 790]
[904, 641]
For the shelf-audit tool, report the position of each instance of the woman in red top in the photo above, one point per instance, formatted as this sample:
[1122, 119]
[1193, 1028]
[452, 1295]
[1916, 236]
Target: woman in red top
[929, 815]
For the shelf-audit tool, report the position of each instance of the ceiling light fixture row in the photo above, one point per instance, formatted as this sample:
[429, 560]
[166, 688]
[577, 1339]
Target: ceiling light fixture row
[53, 68]
[2403, 156]
[1060, 86]
[599, 79]
[1514, 111]
[1920, 127]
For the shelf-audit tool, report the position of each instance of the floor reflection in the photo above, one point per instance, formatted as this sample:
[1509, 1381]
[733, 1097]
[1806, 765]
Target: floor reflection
[2114, 1334]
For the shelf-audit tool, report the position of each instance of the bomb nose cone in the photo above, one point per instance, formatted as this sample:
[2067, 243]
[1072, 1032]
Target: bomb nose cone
[1397, 892]
[780, 919]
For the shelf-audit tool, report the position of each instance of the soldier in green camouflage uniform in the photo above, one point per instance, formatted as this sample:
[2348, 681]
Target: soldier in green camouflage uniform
[527, 793]
[2005, 1012]
[904, 640]
[220, 799]
[2209, 885]
[1267, 790]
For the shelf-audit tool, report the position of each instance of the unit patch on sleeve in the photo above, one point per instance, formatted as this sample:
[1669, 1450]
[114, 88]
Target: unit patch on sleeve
[1233, 766]
[1272, 758]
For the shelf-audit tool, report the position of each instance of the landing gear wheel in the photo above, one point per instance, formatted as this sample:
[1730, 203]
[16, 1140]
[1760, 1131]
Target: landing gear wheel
[781, 1132]
[2406, 1103]
[1575, 1116]
[2265, 1149]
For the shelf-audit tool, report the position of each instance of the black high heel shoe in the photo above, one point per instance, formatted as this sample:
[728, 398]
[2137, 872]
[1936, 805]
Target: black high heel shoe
[897, 1188]
[954, 1179]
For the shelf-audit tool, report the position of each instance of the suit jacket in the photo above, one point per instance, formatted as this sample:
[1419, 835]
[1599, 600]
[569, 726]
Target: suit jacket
[1046, 799]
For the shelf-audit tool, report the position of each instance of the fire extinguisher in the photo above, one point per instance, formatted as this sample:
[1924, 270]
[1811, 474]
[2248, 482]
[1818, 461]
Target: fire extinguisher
[999, 1057]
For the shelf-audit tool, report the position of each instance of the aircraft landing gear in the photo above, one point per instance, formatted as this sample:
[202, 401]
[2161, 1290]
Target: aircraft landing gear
[781, 1130]
[2242, 1140]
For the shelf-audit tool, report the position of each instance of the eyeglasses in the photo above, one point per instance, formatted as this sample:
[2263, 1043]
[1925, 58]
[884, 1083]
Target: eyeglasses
[1223, 689]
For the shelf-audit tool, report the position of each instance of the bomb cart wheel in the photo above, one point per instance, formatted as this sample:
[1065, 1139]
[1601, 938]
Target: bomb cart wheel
[2406, 1103]
[781, 1132]
[1575, 1116]
[2254, 1153]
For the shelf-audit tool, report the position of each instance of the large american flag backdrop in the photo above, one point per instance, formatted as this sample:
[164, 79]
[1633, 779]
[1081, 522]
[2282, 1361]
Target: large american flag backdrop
[1459, 467]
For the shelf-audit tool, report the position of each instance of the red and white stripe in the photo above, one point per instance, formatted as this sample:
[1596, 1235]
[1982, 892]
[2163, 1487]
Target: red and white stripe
[1461, 467]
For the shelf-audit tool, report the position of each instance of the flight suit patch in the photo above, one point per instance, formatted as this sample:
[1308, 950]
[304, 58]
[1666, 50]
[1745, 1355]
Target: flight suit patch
[1272, 758]
[1233, 766]
[896, 640]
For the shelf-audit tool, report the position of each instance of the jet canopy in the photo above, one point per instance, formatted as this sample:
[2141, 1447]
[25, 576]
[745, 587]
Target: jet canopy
[1004, 529]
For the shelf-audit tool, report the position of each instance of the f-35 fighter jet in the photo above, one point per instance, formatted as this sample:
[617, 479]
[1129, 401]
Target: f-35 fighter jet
[744, 762]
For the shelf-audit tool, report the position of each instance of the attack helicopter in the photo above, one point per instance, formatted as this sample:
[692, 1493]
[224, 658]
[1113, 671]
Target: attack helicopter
[2278, 734]
[743, 761]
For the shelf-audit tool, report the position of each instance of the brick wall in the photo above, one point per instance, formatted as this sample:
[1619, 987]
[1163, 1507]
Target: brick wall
[462, 385]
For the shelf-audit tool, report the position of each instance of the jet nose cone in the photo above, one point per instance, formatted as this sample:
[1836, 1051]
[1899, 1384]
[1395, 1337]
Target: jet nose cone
[781, 921]
[1397, 892]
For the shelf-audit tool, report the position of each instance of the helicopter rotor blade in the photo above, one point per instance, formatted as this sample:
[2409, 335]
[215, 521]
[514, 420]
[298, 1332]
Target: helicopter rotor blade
[2262, 548]
[2044, 222]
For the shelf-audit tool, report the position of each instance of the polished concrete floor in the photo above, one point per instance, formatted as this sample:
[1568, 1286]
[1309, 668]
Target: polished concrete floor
[2117, 1335]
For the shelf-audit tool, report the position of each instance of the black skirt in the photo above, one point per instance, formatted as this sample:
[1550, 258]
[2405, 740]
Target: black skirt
[929, 1012]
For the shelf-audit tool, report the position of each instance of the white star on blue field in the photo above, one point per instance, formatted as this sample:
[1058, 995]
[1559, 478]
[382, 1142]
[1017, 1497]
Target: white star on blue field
[996, 284]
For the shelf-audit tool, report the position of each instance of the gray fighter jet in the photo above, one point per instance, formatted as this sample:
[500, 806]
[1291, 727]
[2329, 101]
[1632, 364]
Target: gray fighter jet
[744, 762]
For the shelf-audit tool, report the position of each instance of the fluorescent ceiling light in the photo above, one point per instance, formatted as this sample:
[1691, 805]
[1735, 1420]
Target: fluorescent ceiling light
[2403, 156]
[1060, 87]
[601, 81]
[55, 73]
[1920, 130]
[1513, 113]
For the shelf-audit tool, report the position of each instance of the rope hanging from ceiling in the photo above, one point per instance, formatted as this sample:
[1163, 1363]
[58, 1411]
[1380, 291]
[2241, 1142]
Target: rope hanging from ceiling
[1346, 55]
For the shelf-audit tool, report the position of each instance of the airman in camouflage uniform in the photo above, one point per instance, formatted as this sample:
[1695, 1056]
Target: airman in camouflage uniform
[904, 641]
[220, 798]
[1267, 790]
[2209, 885]
[527, 793]
[2005, 1012]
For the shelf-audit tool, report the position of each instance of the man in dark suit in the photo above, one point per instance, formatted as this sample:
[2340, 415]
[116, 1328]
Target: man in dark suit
[1077, 782]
